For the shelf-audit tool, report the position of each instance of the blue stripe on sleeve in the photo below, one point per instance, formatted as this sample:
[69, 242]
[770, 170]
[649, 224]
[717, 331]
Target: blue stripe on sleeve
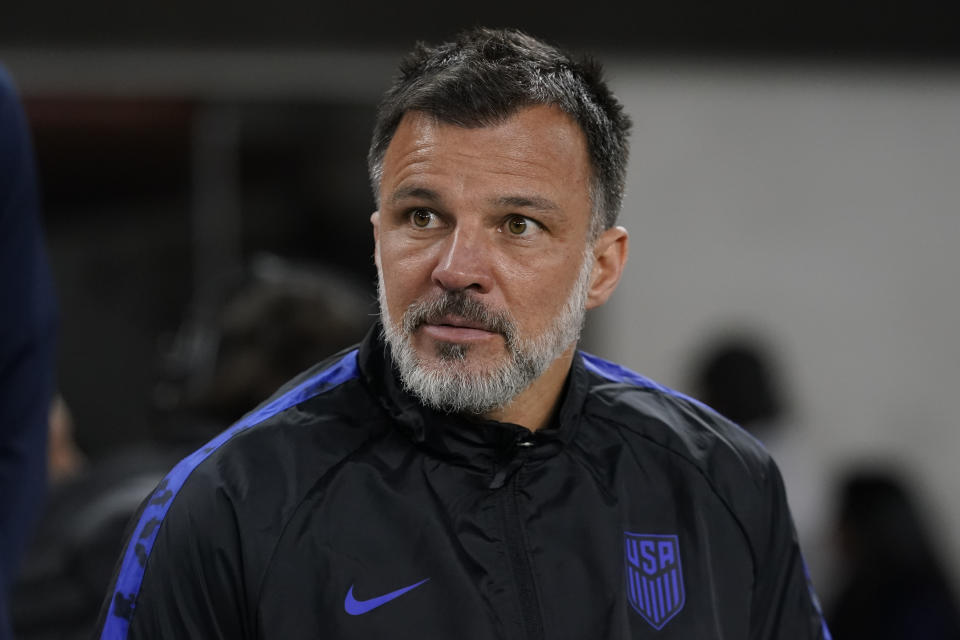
[130, 576]
[816, 601]
[617, 373]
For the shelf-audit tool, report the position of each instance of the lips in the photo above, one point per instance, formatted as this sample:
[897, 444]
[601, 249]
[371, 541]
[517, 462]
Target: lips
[458, 322]
[456, 317]
[457, 329]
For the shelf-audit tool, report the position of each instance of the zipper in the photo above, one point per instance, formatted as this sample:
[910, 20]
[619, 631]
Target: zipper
[516, 547]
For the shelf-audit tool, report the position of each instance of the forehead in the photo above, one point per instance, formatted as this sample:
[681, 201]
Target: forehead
[538, 148]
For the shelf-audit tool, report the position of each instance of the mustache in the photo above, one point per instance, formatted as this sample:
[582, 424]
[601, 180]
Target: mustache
[457, 303]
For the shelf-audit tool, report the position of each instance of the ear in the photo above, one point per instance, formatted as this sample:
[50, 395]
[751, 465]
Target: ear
[375, 221]
[610, 256]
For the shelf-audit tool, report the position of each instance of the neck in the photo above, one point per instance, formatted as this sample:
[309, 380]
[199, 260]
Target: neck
[536, 406]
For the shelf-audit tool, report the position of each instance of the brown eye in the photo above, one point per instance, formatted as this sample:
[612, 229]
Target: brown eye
[517, 225]
[421, 218]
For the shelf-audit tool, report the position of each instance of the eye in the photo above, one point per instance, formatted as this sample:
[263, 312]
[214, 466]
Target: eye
[520, 226]
[423, 218]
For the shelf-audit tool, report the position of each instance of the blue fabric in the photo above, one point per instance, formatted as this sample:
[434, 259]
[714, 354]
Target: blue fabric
[130, 576]
[27, 323]
[618, 373]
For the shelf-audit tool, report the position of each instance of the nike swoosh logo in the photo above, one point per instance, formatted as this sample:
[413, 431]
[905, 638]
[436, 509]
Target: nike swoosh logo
[358, 607]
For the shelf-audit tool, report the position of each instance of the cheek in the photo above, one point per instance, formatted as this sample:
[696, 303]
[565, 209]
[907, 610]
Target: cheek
[405, 274]
[537, 293]
[399, 255]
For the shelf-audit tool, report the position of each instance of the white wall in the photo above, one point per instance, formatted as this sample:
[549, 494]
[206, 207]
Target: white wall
[820, 207]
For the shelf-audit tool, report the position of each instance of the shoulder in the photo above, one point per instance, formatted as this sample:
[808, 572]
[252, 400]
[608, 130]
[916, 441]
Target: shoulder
[288, 441]
[236, 493]
[658, 422]
[316, 401]
[13, 125]
[647, 409]
[7, 90]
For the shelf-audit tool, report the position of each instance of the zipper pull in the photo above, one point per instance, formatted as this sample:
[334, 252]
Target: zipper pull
[506, 471]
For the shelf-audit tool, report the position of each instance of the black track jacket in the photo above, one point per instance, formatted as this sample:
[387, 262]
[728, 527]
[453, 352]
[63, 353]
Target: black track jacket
[343, 509]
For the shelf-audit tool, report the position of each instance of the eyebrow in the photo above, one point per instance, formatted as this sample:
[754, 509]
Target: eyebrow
[421, 193]
[537, 203]
[527, 202]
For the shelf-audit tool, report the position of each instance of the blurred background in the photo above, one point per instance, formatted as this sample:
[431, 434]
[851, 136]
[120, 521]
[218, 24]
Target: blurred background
[793, 202]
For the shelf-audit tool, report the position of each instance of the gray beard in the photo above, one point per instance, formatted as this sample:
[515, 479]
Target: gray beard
[452, 385]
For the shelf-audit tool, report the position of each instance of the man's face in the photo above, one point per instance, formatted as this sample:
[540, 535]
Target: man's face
[482, 253]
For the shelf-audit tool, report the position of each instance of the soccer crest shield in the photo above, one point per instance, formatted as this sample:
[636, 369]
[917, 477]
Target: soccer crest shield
[654, 576]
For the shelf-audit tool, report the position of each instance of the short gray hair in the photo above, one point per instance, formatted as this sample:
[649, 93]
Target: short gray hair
[487, 75]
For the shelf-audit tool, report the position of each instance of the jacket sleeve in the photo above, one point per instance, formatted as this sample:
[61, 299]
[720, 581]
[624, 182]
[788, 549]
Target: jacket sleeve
[27, 327]
[784, 603]
[180, 575]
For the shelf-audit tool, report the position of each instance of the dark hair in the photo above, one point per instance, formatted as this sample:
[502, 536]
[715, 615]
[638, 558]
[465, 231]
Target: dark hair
[487, 75]
[882, 518]
[738, 378]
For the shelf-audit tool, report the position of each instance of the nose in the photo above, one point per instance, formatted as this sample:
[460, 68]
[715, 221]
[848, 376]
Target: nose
[464, 262]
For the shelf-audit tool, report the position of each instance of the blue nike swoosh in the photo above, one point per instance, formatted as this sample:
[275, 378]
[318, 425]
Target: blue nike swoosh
[358, 607]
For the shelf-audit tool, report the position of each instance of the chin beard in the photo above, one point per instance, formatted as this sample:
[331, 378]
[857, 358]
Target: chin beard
[455, 383]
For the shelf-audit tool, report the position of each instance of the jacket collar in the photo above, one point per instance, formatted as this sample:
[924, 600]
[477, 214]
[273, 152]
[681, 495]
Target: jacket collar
[460, 438]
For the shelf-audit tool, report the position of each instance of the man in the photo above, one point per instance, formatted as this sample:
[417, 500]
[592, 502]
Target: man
[469, 474]
[27, 328]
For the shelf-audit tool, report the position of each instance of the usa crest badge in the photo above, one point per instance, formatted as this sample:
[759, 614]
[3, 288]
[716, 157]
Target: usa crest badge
[654, 576]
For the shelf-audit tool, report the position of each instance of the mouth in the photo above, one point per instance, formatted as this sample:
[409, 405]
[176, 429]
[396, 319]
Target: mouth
[452, 328]
[457, 322]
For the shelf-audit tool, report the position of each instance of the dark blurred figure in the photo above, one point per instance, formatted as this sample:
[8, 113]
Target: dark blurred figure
[27, 326]
[260, 328]
[68, 563]
[736, 377]
[897, 588]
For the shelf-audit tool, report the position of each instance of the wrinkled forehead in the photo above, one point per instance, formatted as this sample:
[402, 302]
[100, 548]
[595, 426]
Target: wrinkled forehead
[474, 117]
[540, 143]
